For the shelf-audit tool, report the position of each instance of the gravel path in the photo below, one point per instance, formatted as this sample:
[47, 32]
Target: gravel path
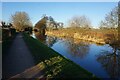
[17, 59]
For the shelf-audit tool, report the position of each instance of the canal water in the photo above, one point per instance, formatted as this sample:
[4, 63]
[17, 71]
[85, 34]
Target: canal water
[97, 59]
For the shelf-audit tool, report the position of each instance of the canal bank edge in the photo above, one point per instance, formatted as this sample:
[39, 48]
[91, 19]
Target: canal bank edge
[77, 36]
[67, 68]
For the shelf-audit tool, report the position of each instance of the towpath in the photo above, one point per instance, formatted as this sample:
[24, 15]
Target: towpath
[17, 59]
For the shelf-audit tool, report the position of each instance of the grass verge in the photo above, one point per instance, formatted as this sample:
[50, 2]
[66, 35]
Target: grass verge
[56, 66]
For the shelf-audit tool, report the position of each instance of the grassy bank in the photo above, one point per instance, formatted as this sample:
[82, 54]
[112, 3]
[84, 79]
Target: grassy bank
[56, 66]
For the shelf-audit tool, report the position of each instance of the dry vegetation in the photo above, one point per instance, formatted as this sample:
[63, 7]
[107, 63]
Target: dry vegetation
[95, 35]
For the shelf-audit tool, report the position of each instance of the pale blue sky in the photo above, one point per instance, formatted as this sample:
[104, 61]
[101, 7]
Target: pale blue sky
[59, 0]
[60, 11]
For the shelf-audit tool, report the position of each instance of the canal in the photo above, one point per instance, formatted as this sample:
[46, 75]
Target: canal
[97, 59]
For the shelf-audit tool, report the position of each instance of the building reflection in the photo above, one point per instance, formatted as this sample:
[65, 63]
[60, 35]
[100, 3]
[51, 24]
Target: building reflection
[110, 62]
[47, 40]
[40, 37]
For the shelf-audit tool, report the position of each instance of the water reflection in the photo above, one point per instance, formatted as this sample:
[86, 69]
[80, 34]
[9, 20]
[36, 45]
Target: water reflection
[110, 62]
[77, 48]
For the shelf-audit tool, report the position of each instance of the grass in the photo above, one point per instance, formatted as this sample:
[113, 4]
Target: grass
[56, 66]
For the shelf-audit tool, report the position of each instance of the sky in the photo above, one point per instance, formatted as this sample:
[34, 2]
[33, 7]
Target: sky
[59, 0]
[60, 11]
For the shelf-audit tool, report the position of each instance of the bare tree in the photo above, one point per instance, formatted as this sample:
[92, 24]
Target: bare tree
[80, 21]
[53, 25]
[111, 23]
[111, 19]
[21, 20]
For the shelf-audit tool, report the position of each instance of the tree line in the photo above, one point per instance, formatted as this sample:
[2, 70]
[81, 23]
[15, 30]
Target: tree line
[21, 22]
